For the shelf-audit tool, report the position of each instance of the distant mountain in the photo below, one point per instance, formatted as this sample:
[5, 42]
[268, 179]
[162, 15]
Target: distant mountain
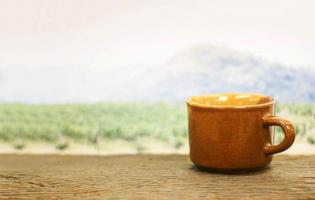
[199, 70]
[208, 69]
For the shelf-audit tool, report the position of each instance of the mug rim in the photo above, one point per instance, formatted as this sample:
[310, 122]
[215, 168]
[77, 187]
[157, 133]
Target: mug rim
[191, 103]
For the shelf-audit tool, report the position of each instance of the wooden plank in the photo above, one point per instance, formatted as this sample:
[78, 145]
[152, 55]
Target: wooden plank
[149, 177]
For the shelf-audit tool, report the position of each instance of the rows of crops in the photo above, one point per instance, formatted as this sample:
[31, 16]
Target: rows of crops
[126, 121]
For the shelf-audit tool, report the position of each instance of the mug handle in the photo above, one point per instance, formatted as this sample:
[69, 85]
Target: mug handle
[289, 133]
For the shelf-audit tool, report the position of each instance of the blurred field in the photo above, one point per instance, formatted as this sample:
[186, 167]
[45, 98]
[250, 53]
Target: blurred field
[136, 125]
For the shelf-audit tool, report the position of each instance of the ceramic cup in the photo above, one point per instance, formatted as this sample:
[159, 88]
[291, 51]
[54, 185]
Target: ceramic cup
[234, 131]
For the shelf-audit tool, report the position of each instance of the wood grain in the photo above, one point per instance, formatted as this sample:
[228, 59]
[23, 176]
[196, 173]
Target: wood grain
[149, 177]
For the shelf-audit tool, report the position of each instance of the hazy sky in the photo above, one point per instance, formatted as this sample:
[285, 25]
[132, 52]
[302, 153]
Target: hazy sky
[100, 33]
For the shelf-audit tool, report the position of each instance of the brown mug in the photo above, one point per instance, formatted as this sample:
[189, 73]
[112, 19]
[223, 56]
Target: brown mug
[233, 131]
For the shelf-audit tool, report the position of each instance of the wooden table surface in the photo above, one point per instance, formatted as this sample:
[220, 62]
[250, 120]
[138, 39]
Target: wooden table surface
[149, 177]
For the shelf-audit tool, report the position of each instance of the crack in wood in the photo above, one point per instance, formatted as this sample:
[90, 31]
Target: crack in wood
[20, 180]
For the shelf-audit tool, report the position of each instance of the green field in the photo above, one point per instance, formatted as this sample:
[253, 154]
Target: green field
[90, 123]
